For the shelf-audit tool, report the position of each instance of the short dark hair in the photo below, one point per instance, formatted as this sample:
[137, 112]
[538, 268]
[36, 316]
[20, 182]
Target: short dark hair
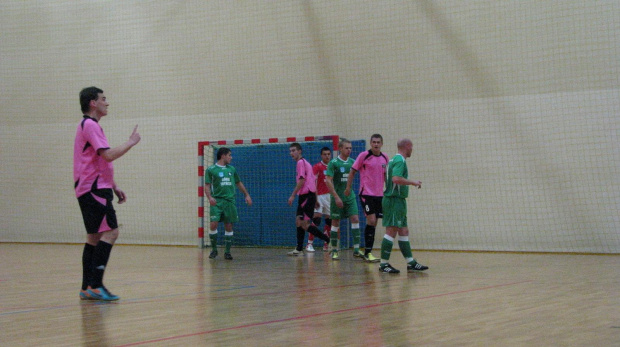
[222, 151]
[296, 145]
[376, 136]
[342, 142]
[88, 94]
[325, 149]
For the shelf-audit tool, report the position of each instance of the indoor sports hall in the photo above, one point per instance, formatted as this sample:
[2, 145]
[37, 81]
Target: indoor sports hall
[512, 107]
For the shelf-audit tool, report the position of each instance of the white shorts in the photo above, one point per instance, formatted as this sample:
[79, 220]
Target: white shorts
[324, 201]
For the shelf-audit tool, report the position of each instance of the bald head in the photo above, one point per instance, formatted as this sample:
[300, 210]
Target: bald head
[405, 147]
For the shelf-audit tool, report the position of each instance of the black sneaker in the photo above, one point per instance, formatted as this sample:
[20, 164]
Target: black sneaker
[387, 268]
[415, 266]
[213, 255]
[227, 256]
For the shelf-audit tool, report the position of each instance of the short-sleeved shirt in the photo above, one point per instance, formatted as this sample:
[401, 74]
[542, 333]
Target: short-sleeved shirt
[339, 170]
[372, 170]
[319, 169]
[223, 181]
[90, 171]
[396, 167]
[304, 170]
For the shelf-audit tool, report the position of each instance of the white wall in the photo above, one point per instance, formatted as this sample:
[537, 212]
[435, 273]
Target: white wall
[512, 106]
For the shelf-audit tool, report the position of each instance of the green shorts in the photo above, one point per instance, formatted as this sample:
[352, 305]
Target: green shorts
[348, 209]
[394, 212]
[224, 211]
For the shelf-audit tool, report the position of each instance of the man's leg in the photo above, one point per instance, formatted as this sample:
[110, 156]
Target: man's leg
[228, 240]
[101, 255]
[386, 250]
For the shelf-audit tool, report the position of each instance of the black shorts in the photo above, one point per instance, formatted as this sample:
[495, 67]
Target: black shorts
[97, 211]
[372, 205]
[305, 206]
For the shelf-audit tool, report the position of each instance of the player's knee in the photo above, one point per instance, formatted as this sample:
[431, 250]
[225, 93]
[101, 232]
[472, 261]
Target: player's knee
[109, 236]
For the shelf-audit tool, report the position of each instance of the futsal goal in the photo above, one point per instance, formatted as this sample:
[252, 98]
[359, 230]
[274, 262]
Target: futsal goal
[268, 173]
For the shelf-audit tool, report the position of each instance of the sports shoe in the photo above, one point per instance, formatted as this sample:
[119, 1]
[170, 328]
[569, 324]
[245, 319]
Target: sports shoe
[335, 255]
[295, 252]
[371, 258]
[358, 254]
[85, 296]
[213, 254]
[309, 248]
[227, 256]
[101, 293]
[415, 266]
[387, 268]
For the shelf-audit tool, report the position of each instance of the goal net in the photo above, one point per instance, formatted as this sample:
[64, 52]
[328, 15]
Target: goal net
[268, 173]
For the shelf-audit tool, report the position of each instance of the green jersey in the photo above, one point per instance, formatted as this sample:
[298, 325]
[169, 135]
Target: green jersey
[396, 167]
[339, 170]
[223, 180]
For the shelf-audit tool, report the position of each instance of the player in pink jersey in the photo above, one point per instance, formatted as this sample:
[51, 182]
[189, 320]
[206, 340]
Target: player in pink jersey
[306, 190]
[371, 165]
[322, 198]
[93, 176]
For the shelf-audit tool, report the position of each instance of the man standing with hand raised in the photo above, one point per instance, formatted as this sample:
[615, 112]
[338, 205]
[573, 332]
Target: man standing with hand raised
[93, 177]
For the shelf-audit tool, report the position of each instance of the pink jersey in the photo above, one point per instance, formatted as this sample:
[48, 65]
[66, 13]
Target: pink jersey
[304, 170]
[371, 169]
[90, 170]
[319, 170]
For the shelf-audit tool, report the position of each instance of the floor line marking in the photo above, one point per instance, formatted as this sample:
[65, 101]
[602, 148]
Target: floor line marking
[251, 325]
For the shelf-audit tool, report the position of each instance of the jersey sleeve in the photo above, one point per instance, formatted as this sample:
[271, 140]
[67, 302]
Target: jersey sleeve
[399, 169]
[208, 176]
[316, 169]
[94, 135]
[357, 165]
[330, 169]
[301, 170]
[236, 176]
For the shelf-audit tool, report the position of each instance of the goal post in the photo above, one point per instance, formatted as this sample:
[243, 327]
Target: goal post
[268, 173]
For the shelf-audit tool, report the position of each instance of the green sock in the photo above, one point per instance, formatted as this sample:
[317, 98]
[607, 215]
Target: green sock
[333, 239]
[213, 238]
[228, 237]
[386, 247]
[405, 249]
[356, 239]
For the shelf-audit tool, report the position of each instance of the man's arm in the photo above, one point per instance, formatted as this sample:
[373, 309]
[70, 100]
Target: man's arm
[212, 200]
[248, 199]
[404, 182]
[111, 154]
[298, 186]
[329, 182]
[347, 190]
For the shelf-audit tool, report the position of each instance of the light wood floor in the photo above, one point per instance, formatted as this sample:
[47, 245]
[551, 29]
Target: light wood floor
[176, 296]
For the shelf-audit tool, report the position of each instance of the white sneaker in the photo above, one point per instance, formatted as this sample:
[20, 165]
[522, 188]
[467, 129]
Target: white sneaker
[309, 248]
[295, 252]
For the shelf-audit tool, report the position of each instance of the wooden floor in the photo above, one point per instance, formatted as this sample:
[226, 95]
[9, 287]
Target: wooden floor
[176, 296]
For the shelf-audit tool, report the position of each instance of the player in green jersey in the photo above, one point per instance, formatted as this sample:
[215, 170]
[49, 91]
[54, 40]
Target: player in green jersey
[342, 206]
[220, 182]
[397, 184]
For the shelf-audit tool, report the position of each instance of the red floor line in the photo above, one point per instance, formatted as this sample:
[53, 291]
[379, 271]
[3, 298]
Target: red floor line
[319, 314]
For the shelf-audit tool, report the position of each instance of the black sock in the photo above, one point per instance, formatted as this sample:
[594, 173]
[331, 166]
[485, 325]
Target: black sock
[369, 238]
[317, 233]
[300, 238]
[87, 259]
[100, 261]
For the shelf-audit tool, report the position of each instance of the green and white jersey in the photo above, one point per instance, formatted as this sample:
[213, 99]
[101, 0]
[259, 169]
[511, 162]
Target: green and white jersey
[223, 180]
[396, 167]
[339, 170]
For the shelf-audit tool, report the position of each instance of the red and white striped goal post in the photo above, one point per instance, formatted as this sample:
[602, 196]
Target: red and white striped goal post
[201, 165]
